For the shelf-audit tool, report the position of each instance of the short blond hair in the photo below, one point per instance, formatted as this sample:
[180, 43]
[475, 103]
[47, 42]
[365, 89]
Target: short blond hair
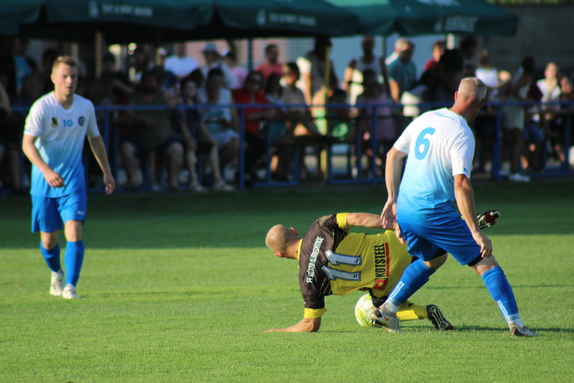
[472, 87]
[64, 60]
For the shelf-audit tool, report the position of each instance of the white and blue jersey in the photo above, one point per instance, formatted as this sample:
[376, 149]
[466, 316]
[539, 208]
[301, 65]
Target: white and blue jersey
[439, 145]
[61, 134]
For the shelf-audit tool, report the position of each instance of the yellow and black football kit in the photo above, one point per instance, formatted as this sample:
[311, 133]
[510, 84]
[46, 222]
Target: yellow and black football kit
[334, 261]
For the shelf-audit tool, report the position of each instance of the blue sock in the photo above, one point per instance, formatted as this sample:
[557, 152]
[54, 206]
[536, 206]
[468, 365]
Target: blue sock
[414, 277]
[501, 291]
[73, 258]
[52, 257]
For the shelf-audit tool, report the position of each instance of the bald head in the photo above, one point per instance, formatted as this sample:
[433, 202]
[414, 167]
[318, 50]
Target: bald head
[279, 237]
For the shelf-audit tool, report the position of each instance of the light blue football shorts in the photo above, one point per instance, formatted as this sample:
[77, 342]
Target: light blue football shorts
[50, 214]
[449, 233]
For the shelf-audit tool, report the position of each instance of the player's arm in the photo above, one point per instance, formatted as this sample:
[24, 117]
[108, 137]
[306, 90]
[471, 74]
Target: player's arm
[464, 195]
[365, 220]
[393, 170]
[305, 325]
[99, 150]
[53, 178]
[348, 76]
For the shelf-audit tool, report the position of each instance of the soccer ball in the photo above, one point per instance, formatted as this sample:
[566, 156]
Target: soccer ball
[364, 304]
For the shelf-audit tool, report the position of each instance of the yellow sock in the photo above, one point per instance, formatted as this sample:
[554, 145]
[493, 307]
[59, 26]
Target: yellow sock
[409, 311]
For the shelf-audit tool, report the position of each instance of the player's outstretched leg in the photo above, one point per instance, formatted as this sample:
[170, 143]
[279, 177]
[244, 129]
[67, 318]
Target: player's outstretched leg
[516, 330]
[488, 218]
[500, 290]
[384, 318]
[437, 319]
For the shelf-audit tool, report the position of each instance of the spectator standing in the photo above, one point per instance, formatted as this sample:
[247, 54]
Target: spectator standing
[313, 66]
[140, 63]
[352, 81]
[467, 47]
[238, 71]
[550, 117]
[438, 48]
[402, 71]
[180, 64]
[271, 64]
[384, 126]
[514, 116]
[10, 136]
[485, 123]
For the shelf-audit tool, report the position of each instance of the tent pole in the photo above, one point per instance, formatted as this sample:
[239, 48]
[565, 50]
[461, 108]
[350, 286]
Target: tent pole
[98, 55]
[250, 54]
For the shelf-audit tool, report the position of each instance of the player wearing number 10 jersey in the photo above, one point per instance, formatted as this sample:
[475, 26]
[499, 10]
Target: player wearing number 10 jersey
[54, 135]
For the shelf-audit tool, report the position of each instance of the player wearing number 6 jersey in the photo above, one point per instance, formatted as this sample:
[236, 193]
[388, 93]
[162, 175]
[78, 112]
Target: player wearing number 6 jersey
[440, 148]
[54, 135]
[334, 261]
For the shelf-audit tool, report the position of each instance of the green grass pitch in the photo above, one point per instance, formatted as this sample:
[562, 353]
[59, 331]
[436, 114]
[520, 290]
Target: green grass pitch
[179, 288]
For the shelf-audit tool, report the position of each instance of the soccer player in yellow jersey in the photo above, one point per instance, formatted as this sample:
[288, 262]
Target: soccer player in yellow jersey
[334, 261]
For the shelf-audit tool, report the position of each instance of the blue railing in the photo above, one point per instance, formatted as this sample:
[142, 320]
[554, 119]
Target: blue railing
[352, 145]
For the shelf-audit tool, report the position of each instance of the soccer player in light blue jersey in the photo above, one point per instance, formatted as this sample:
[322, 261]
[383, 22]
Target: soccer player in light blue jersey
[54, 135]
[440, 148]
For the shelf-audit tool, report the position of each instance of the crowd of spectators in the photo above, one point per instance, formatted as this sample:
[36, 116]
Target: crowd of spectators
[183, 132]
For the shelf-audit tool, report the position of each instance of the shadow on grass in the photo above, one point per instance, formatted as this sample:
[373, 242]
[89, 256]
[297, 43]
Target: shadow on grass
[241, 218]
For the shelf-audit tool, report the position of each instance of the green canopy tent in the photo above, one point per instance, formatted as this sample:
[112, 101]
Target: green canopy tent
[420, 17]
[152, 21]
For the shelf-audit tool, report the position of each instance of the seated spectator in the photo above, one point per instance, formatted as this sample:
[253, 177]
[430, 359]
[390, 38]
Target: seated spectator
[327, 118]
[385, 126]
[117, 79]
[151, 132]
[220, 119]
[197, 139]
[278, 135]
[43, 75]
[214, 60]
[300, 122]
[254, 118]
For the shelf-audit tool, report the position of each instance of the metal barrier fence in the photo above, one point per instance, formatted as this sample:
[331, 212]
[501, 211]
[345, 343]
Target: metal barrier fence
[350, 150]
